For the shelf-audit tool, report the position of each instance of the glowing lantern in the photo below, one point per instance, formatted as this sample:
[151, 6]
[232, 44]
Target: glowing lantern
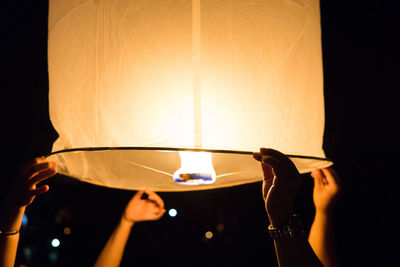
[136, 84]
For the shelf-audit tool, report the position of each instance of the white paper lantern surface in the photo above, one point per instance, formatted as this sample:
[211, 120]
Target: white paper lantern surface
[134, 82]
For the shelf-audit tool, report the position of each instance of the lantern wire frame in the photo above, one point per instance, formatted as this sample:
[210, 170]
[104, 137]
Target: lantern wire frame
[110, 167]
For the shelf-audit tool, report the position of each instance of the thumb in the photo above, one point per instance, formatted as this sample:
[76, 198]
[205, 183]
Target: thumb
[318, 177]
[267, 171]
[267, 165]
[41, 190]
[138, 194]
[268, 177]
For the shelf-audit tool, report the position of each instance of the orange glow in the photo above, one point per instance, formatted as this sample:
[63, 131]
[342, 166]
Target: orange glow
[196, 168]
[67, 230]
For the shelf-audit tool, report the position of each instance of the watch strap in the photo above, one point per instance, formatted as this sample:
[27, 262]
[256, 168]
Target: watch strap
[292, 230]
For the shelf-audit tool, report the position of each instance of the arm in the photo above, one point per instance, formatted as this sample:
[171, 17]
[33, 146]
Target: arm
[281, 184]
[295, 252]
[21, 195]
[112, 252]
[137, 210]
[10, 222]
[325, 195]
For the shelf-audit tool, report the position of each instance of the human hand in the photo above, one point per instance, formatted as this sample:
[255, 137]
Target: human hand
[327, 189]
[139, 209]
[25, 188]
[281, 184]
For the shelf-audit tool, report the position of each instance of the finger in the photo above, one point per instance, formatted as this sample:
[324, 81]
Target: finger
[275, 154]
[268, 171]
[159, 214]
[38, 167]
[32, 162]
[267, 183]
[268, 165]
[274, 163]
[156, 198]
[257, 156]
[25, 167]
[266, 186]
[138, 195]
[339, 182]
[43, 175]
[282, 164]
[162, 213]
[270, 161]
[330, 177]
[336, 176]
[318, 176]
[40, 190]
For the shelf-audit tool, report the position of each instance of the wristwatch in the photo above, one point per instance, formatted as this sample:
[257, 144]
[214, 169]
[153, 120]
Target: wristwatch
[292, 230]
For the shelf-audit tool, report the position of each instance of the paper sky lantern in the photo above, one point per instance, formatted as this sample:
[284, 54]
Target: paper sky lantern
[137, 87]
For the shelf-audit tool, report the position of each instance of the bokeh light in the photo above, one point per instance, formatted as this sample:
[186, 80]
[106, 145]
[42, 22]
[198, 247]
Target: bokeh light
[172, 212]
[53, 256]
[220, 227]
[24, 221]
[55, 243]
[67, 231]
[209, 234]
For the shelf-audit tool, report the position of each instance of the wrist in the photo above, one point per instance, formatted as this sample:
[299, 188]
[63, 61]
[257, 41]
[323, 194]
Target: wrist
[324, 213]
[278, 221]
[323, 219]
[126, 221]
[9, 233]
[293, 229]
[12, 219]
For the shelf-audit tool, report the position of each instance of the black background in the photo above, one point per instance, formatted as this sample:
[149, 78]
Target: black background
[361, 59]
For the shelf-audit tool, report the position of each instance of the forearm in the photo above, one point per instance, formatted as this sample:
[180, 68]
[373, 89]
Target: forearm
[295, 252]
[11, 219]
[322, 239]
[112, 252]
[291, 244]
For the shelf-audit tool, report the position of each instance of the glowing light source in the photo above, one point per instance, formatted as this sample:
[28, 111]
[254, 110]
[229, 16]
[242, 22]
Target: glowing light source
[67, 231]
[55, 243]
[125, 95]
[172, 212]
[220, 227]
[196, 168]
[24, 221]
[209, 234]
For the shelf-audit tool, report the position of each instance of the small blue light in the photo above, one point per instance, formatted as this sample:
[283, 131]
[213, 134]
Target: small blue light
[194, 178]
[24, 221]
[172, 212]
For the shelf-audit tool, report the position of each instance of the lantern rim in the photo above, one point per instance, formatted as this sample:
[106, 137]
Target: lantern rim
[175, 149]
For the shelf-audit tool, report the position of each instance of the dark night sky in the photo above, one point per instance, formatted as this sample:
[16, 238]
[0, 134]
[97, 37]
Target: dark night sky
[361, 60]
